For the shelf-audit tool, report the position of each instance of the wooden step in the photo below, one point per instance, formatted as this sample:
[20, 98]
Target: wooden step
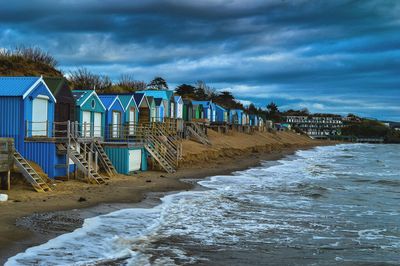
[30, 174]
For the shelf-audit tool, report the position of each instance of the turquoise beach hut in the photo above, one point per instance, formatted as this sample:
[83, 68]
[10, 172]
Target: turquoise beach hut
[90, 113]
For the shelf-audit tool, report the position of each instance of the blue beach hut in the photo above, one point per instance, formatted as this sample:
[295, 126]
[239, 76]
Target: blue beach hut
[160, 109]
[221, 114]
[131, 113]
[27, 115]
[178, 107]
[114, 117]
[253, 120]
[235, 116]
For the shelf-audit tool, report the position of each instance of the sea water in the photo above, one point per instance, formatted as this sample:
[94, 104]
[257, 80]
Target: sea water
[333, 205]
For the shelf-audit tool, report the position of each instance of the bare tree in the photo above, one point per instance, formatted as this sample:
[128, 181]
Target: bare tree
[34, 54]
[203, 88]
[128, 83]
[83, 79]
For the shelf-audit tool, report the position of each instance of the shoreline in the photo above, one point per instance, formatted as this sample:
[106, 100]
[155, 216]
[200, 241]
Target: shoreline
[49, 216]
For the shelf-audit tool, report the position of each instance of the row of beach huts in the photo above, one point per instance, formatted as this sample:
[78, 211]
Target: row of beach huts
[82, 133]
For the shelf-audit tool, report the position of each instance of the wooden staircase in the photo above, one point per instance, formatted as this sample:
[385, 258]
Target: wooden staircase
[197, 134]
[104, 160]
[30, 174]
[161, 149]
[83, 165]
[170, 140]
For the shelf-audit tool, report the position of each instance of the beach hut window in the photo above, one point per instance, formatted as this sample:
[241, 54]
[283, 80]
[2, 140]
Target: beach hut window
[97, 124]
[86, 128]
[39, 116]
[116, 121]
[93, 104]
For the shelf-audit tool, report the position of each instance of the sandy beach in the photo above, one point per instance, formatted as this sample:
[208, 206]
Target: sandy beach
[30, 218]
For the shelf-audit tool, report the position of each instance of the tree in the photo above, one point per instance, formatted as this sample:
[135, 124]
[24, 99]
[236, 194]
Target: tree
[227, 100]
[206, 91]
[272, 108]
[158, 83]
[83, 79]
[252, 109]
[186, 91]
[128, 84]
[273, 112]
[226, 96]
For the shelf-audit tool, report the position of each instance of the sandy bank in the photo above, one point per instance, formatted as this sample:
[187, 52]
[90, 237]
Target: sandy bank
[228, 153]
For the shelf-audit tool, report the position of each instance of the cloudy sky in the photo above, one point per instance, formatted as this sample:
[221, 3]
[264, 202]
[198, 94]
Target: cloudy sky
[335, 56]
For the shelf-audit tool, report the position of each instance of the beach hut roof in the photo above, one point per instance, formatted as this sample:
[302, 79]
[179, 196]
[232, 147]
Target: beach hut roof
[55, 83]
[158, 101]
[81, 97]
[220, 107]
[178, 98]
[164, 94]
[204, 103]
[138, 97]
[126, 101]
[149, 99]
[109, 100]
[21, 86]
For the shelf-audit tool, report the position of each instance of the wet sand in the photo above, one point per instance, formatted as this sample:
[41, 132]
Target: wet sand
[31, 218]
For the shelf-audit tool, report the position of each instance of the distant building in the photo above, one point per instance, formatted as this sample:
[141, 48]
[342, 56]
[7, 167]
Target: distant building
[316, 126]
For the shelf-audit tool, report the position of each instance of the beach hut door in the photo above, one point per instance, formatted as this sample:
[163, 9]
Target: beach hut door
[39, 116]
[132, 121]
[135, 160]
[86, 124]
[97, 124]
[116, 121]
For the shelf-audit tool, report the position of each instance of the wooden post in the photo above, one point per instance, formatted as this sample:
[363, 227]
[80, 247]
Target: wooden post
[8, 180]
[5, 181]
[96, 168]
[76, 129]
[68, 146]
[53, 133]
[89, 163]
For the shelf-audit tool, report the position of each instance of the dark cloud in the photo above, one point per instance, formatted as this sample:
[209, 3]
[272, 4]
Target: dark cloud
[339, 50]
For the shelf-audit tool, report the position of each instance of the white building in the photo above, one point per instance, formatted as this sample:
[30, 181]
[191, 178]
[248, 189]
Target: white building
[316, 126]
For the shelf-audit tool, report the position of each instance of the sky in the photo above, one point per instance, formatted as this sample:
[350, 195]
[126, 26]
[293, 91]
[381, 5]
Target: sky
[337, 56]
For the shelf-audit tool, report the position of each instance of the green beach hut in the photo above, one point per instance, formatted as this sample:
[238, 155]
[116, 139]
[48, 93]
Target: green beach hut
[197, 111]
[187, 112]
